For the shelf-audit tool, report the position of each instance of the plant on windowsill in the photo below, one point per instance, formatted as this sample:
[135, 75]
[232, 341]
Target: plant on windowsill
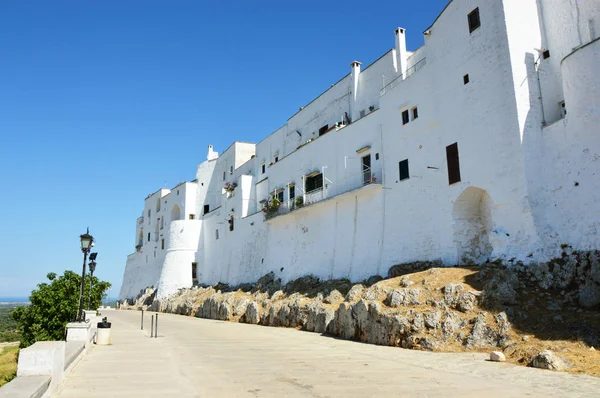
[299, 201]
[271, 208]
[230, 186]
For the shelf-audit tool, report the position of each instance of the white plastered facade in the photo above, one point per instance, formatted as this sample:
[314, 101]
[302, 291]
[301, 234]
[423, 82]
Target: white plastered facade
[529, 174]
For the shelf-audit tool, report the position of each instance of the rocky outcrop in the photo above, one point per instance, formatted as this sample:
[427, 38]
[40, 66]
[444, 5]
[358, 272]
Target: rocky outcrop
[549, 360]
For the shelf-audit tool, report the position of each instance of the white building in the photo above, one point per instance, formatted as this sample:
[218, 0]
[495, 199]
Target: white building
[483, 144]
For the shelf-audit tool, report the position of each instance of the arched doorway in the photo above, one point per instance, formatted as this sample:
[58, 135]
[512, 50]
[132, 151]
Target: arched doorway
[175, 213]
[472, 213]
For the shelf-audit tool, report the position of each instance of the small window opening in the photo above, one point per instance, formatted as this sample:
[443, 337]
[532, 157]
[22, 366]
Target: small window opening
[563, 109]
[192, 216]
[474, 21]
[323, 129]
[263, 168]
[206, 209]
[415, 113]
[292, 192]
[162, 244]
[279, 196]
[546, 54]
[405, 117]
[230, 221]
[453, 163]
[194, 269]
[276, 159]
[404, 174]
[178, 192]
[377, 156]
[224, 176]
[148, 236]
[313, 183]
[466, 79]
[230, 169]
[216, 234]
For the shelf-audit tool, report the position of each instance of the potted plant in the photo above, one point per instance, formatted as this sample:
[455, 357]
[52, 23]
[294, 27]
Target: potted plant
[299, 201]
[229, 186]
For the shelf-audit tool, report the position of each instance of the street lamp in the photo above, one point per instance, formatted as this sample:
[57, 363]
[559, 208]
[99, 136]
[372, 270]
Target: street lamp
[87, 242]
[92, 269]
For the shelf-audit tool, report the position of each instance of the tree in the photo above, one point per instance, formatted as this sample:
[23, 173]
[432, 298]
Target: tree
[53, 305]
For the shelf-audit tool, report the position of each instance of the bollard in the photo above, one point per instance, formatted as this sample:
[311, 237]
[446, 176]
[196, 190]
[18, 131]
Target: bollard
[152, 327]
[142, 320]
[156, 327]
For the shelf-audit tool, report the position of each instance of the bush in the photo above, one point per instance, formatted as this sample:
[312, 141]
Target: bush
[53, 305]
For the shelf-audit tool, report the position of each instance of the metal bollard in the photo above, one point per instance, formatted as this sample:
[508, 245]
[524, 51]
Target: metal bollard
[156, 327]
[152, 327]
[142, 320]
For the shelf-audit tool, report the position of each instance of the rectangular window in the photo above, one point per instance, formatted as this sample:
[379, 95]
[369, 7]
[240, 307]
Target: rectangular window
[453, 164]
[466, 78]
[279, 195]
[230, 169]
[224, 176]
[192, 216]
[194, 268]
[563, 109]
[404, 170]
[474, 21]
[206, 209]
[377, 156]
[230, 223]
[148, 236]
[415, 113]
[366, 169]
[313, 183]
[276, 159]
[292, 192]
[217, 234]
[323, 129]
[162, 244]
[263, 168]
[405, 117]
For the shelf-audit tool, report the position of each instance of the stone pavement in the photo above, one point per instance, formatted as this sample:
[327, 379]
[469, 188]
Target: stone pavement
[204, 358]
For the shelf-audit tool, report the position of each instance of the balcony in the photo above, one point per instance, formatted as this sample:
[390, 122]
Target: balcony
[329, 190]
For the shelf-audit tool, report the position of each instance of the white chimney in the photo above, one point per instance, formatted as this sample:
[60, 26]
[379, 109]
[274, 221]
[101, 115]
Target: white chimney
[401, 50]
[354, 75]
[211, 154]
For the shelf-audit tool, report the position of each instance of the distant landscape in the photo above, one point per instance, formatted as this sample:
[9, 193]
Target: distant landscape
[8, 335]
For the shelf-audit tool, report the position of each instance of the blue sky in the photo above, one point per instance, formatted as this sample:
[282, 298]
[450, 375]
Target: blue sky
[104, 102]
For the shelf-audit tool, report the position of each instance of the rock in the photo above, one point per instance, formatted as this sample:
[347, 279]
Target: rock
[414, 296]
[409, 268]
[500, 290]
[375, 292]
[405, 282]
[589, 294]
[252, 314]
[239, 306]
[418, 323]
[267, 283]
[320, 319]
[525, 338]
[303, 284]
[333, 297]
[482, 335]
[452, 324]
[278, 295]
[427, 343]
[452, 292]
[396, 298]
[355, 293]
[373, 280]
[344, 323]
[433, 320]
[497, 356]
[548, 360]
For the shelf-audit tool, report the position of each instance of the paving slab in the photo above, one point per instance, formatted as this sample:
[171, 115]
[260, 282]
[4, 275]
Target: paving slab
[205, 358]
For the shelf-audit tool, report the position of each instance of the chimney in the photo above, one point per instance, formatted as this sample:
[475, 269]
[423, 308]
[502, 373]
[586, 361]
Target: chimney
[354, 75]
[211, 154]
[401, 50]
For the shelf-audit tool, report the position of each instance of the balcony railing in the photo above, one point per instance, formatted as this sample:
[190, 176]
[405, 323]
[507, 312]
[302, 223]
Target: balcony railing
[329, 190]
[409, 72]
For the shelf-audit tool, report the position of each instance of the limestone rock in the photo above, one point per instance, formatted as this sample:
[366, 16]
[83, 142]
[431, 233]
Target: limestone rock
[396, 298]
[500, 290]
[355, 293]
[409, 268]
[452, 324]
[549, 360]
[252, 314]
[482, 335]
[344, 323]
[497, 356]
[333, 297]
[267, 283]
[373, 280]
[433, 320]
[320, 319]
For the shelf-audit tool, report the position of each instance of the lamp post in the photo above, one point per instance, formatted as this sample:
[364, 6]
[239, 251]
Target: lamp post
[87, 242]
[92, 269]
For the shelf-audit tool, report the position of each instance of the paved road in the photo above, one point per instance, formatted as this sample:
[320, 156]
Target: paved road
[204, 358]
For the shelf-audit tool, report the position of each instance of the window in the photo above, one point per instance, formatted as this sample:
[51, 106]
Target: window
[313, 183]
[194, 268]
[366, 169]
[224, 176]
[453, 164]
[206, 209]
[192, 216]
[377, 156]
[148, 236]
[230, 221]
[415, 113]
[216, 234]
[230, 169]
[276, 158]
[474, 21]
[263, 168]
[404, 175]
[563, 109]
[546, 54]
[323, 129]
[466, 78]
[292, 192]
[405, 117]
[148, 213]
[178, 192]
[162, 222]
[154, 253]
[279, 195]
[162, 244]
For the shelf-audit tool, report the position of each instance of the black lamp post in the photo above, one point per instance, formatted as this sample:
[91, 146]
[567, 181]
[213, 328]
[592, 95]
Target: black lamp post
[87, 242]
[92, 269]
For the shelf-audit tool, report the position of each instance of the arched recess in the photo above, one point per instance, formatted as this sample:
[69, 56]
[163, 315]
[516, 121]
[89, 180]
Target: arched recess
[472, 214]
[175, 213]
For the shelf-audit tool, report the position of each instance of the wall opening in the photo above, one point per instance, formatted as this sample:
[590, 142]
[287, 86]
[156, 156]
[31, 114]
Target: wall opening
[175, 213]
[472, 214]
